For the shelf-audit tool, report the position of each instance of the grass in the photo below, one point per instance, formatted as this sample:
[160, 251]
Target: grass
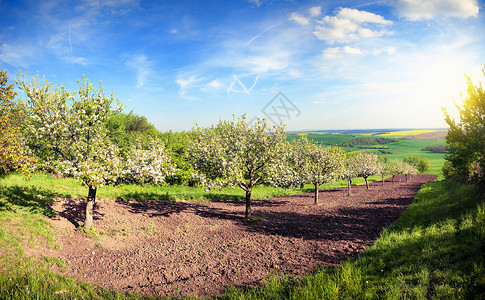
[42, 186]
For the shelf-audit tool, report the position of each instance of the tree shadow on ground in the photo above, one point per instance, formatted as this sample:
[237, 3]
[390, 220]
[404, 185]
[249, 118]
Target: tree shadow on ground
[35, 199]
[362, 221]
[75, 211]
[151, 196]
[162, 208]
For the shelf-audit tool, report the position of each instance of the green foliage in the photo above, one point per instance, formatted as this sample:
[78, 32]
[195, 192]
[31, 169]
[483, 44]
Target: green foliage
[177, 144]
[128, 130]
[11, 115]
[422, 164]
[466, 138]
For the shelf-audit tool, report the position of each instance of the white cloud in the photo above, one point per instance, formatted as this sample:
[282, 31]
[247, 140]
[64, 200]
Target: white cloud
[142, 66]
[245, 90]
[353, 51]
[349, 25]
[427, 9]
[337, 52]
[300, 19]
[315, 11]
[215, 84]
[185, 83]
[262, 64]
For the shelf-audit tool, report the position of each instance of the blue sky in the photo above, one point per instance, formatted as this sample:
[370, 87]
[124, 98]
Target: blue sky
[338, 64]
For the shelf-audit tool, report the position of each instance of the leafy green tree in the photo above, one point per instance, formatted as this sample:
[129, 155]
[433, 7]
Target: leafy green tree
[67, 132]
[127, 130]
[177, 144]
[235, 153]
[466, 138]
[11, 151]
[421, 164]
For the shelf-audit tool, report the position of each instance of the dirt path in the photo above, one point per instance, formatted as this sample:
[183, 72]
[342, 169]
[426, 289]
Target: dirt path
[164, 248]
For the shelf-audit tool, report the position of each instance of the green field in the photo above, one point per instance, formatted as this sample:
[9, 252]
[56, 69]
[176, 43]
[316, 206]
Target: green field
[398, 150]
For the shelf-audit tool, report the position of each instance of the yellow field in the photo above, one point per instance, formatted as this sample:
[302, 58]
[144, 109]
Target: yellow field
[406, 132]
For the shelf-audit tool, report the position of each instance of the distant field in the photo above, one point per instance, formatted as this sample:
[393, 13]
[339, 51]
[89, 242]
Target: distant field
[329, 139]
[404, 147]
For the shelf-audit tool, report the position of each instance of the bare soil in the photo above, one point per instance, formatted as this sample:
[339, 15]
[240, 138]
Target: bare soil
[167, 248]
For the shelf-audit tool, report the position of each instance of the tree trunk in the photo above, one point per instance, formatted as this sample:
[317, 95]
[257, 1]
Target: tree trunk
[316, 192]
[366, 183]
[393, 176]
[88, 222]
[382, 180]
[406, 177]
[302, 186]
[349, 184]
[248, 205]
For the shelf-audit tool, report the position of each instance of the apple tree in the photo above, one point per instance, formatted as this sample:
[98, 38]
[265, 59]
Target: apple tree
[319, 165]
[67, 132]
[236, 153]
[366, 164]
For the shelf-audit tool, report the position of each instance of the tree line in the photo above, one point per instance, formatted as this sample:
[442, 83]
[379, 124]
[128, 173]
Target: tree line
[83, 134]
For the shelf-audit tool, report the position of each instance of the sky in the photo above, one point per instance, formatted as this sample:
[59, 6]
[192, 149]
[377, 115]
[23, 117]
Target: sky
[309, 64]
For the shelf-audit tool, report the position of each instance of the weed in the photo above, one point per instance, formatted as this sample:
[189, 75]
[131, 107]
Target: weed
[150, 229]
[183, 228]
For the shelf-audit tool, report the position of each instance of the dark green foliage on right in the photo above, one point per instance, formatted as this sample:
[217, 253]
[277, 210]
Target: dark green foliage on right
[466, 138]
